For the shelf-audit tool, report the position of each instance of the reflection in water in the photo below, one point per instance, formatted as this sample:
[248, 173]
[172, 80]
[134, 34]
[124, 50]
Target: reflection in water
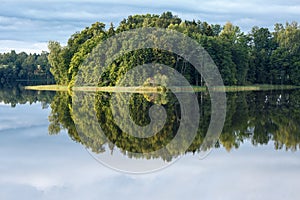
[14, 94]
[260, 117]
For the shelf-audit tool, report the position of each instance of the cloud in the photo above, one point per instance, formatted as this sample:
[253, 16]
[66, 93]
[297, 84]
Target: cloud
[40, 21]
[22, 46]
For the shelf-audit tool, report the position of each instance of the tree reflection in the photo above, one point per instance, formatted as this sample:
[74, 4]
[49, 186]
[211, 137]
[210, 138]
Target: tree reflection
[14, 94]
[258, 117]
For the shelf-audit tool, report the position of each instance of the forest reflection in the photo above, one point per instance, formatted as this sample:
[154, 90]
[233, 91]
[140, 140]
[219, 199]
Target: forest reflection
[15, 94]
[260, 117]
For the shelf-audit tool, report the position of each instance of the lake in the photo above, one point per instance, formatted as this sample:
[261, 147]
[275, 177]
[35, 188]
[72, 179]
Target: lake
[53, 145]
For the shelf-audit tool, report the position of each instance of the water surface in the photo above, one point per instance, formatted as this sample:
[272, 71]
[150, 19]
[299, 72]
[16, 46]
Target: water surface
[43, 156]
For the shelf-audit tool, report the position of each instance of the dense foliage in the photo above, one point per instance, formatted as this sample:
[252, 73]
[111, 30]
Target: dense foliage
[23, 67]
[258, 57]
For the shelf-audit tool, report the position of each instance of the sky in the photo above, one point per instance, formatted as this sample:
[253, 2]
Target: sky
[29, 25]
[35, 165]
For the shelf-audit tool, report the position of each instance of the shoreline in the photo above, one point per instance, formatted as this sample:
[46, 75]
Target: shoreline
[161, 89]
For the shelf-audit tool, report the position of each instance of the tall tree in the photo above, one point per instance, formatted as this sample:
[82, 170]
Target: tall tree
[263, 45]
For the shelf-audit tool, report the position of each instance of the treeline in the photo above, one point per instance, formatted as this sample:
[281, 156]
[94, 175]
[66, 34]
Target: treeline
[23, 67]
[259, 57]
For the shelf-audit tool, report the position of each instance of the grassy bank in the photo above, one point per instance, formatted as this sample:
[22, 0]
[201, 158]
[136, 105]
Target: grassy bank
[47, 88]
[161, 89]
[260, 88]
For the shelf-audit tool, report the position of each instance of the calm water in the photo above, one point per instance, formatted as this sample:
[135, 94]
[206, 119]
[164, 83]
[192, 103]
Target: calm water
[46, 147]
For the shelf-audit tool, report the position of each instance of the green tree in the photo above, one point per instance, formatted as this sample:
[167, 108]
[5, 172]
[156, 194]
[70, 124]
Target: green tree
[287, 55]
[263, 46]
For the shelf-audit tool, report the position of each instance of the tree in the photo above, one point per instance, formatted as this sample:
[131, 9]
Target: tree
[263, 46]
[260, 57]
[287, 55]
[55, 57]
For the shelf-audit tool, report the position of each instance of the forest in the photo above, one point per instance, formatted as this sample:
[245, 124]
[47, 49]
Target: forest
[261, 56]
[20, 67]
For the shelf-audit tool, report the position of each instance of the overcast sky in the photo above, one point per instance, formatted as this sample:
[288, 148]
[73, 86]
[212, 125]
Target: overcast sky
[29, 25]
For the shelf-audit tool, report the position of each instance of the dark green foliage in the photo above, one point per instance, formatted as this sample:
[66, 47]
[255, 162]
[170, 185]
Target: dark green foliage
[20, 67]
[260, 57]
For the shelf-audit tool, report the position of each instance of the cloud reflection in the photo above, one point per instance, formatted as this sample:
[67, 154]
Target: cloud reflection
[39, 166]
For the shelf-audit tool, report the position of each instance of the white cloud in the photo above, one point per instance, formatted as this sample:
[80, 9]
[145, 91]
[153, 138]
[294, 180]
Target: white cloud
[40, 21]
[20, 46]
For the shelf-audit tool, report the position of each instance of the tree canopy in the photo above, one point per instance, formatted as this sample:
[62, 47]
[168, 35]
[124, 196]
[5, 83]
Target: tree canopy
[23, 67]
[258, 57]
